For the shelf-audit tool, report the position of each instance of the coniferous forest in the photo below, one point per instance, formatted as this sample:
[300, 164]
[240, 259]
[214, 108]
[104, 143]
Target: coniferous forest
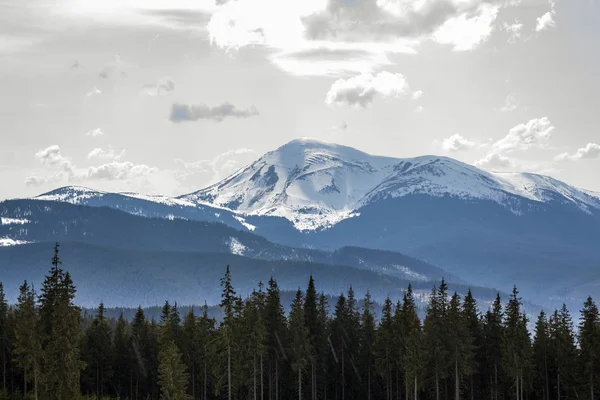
[49, 351]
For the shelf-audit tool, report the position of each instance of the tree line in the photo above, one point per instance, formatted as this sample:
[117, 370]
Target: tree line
[342, 351]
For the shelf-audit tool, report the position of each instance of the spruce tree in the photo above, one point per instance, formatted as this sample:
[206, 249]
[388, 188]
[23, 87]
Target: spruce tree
[173, 377]
[493, 332]
[384, 348]
[121, 368]
[300, 350]
[414, 352]
[563, 341]
[367, 342]
[276, 328]
[60, 325]
[540, 360]
[98, 349]
[3, 335]
[473, 324]
[27, 345]
[589, 344]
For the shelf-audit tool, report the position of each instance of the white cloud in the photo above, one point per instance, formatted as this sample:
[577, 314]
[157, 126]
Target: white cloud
[162, 87]
[495, 162]
[467, 31]
[514, 31]
[361, 90]
[511, 103]
[546, 21]
[377, 26]
[524, 136]
[113, 171]
[417, 94]
[51, 156]
[95, 132]
[457, 142]
[220, 167]
[191, 112]
[93, 92]
[106, 154]
[590, 151]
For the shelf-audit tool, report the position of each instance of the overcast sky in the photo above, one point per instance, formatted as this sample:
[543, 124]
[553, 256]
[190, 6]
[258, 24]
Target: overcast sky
[167, 96]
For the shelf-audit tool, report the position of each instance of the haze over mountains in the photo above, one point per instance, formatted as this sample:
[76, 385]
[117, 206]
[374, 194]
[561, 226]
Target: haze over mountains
[307, 201]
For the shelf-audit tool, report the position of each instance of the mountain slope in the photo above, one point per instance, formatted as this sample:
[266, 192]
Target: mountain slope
[25, 221]
[316, 185]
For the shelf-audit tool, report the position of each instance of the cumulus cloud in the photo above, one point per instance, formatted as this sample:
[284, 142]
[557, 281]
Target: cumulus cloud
[495, 162]
[457, 142]
[361, 90]
[162, 87]
[185, 112]
[215, 169]
[95, 91]
[590, 151]
[511, 103]
[524, 136]
[546, 21]
[417, 94]
[51, 156]
[95, 133]
[514, 31]
[468, 30]
[379, 26]
[113, 171]
[106, 154]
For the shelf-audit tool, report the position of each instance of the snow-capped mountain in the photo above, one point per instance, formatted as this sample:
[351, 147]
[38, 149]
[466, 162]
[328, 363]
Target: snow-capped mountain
[316, 184]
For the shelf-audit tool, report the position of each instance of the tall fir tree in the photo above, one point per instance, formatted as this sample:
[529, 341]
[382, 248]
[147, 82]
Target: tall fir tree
[589, 344]
[27, 345]
[60, 327]
[300, 350]
[540, 360]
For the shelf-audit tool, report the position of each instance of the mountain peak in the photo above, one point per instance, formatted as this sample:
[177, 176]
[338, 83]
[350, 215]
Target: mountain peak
[316, 184]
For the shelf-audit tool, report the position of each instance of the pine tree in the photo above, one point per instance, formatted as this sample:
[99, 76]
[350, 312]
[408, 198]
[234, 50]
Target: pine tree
[436, 334]
[540, 357]
[276, 327]
[315, 332]
[173, 377]
[27, 345]
[384, 348]
[299, 340]
[367, 342]
[413, 356]
[515, 343]
[474, 330]
[563, 341]
[461, 344]
[589, 343]
[493, 332]
[98, 349]
[121, 369]
[60, 325]
[3, 335]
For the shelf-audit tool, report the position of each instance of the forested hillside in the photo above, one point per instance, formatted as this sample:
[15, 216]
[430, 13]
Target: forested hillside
[315, 351]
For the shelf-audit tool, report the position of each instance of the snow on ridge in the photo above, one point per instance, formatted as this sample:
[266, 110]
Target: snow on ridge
[242, 221]
[13, 221]
[6, 242]
[316, 184]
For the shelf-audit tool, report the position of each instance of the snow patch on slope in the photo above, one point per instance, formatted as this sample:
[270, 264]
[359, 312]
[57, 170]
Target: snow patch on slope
[13, 221]
[236, 247]
[316, 185]
[6, 242]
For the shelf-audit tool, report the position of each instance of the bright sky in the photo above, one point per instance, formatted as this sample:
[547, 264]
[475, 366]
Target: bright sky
[168, 96]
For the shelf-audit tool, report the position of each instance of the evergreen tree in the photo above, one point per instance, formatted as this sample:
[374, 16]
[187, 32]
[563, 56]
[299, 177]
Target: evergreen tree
[515, 343]
[413, 356]
[589, 344]
[173, 377]
[474, 330]
[384, 348]
[493, 332]
[27, 345]
[300, 350]
[276, 328]
[563, 341]
[436, 335]
[60, 325]
[98, 349]
[4, 348]
[367, 342]
[461, 344]
[540, 357]
[121, 371]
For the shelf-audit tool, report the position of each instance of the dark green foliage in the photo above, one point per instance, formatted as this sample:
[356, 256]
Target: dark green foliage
[257, 353]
